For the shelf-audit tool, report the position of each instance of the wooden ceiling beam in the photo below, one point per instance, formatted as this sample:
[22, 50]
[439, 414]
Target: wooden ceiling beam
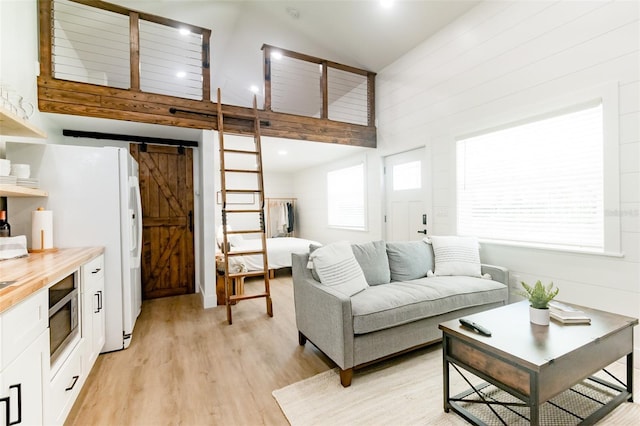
[89, 100]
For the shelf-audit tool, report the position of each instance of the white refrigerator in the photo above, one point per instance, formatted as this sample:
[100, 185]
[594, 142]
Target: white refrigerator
[95, 199]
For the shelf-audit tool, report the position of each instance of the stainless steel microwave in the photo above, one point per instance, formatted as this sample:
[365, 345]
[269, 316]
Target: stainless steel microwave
[64, 320]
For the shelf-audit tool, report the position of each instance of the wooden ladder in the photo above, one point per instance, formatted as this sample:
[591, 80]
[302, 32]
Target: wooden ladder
[256, 153]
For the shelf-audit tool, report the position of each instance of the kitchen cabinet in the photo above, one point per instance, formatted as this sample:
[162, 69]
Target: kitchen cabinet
[65, 385]
[93, 316]
[24, 360]
[21, 384]
[37, 391]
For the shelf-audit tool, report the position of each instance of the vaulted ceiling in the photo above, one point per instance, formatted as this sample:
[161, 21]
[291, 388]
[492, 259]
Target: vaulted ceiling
[360, 33]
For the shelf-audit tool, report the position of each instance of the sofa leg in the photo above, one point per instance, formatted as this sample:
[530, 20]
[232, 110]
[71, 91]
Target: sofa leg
[345, 377]
[302, 339]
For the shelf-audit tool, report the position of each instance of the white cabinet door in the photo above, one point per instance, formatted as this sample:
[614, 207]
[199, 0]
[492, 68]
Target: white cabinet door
[93, 308]
[21, 387]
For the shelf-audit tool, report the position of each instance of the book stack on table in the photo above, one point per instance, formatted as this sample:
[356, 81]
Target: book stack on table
[566, 314]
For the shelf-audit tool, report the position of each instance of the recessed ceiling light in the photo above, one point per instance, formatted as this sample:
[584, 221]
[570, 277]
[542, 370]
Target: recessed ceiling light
[276, 54]
[181, 74]
[387, 4]
[254, 89]
[184, 31]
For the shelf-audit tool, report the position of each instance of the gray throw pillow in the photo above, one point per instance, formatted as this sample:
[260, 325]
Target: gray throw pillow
[373, 260]
[409, 260]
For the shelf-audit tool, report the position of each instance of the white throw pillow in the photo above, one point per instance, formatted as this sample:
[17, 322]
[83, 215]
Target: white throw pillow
[338, 268]
[456, 256]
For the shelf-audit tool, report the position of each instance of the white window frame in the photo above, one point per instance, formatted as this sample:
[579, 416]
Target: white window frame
[607, 94]
[345, 166]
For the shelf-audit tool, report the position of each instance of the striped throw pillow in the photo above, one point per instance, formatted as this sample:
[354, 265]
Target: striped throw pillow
[456, 256]
[338, 268]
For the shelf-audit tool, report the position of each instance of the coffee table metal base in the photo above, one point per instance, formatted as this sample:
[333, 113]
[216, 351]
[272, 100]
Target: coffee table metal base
[583, 404]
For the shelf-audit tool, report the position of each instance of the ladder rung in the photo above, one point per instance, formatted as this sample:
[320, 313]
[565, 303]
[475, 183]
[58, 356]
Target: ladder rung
[244, 253]
[246, 231]
[242, 170]
[247, 274]
[243, 211]
[241, 151]
[247, 296]
[243, 191]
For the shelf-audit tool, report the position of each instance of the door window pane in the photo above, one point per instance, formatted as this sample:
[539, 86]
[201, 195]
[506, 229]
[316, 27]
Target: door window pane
[407, 176]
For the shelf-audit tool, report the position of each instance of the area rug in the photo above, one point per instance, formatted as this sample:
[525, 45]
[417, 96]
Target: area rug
[404, 391]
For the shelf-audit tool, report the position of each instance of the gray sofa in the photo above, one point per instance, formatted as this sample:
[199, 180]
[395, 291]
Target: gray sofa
[399, 311]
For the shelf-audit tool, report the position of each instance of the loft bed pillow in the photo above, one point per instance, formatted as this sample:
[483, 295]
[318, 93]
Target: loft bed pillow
[456, 256]
[337, 268]
[233, 239]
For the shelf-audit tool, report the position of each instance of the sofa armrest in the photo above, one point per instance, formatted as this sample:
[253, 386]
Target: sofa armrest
[498, 273]
[323, 315]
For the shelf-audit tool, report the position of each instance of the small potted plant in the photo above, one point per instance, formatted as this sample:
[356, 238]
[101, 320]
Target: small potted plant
[539, 297]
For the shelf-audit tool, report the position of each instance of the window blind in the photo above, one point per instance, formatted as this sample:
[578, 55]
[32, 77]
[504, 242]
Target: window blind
[540, 182]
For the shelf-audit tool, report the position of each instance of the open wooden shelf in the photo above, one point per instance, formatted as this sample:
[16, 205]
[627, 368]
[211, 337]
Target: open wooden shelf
[12, 125]
[20, 191]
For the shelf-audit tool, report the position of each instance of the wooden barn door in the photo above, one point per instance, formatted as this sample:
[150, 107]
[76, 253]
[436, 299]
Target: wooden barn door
[166, 187]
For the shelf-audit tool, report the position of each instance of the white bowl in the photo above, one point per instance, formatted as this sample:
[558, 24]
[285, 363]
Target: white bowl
[5, 167]
[21, 171]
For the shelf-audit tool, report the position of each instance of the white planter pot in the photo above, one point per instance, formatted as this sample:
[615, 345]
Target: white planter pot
[539, 316]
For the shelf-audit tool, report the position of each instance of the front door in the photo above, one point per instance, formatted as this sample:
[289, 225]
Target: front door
[166, 189]
[406, 207]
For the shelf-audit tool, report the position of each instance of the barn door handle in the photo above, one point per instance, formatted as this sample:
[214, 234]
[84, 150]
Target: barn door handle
[190, 221]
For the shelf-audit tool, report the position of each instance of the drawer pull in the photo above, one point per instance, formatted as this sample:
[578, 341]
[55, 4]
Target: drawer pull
[96, 271]
[7, 402]
[99, 295]
[75, 380]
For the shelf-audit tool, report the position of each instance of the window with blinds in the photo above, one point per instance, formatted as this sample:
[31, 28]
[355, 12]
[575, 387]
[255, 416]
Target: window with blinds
[346, 197]
[540, 182]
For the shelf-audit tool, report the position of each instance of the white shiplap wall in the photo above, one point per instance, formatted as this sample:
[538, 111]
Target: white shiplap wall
[508, 56]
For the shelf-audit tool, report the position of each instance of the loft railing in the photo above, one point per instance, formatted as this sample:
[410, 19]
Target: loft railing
[105, 44]
[101, 60]
[296, 83]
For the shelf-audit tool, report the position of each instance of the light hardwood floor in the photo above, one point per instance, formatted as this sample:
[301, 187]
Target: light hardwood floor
[187, 366]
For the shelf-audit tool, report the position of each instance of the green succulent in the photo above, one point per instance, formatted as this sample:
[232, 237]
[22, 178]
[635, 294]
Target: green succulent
[539, 296]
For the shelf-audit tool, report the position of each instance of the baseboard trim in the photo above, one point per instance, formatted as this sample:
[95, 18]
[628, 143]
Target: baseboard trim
[208, 301]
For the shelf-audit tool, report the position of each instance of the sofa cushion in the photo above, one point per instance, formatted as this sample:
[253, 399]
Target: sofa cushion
[409, 260]
[456, 256]
[337, 267]
[372, 258]
[385, 306]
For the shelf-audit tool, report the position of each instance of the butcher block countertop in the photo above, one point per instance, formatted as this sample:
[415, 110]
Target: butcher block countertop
[38, 270]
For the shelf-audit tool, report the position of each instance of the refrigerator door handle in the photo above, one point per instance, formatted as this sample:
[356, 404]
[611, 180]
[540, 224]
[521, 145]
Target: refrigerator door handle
[138, 218]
